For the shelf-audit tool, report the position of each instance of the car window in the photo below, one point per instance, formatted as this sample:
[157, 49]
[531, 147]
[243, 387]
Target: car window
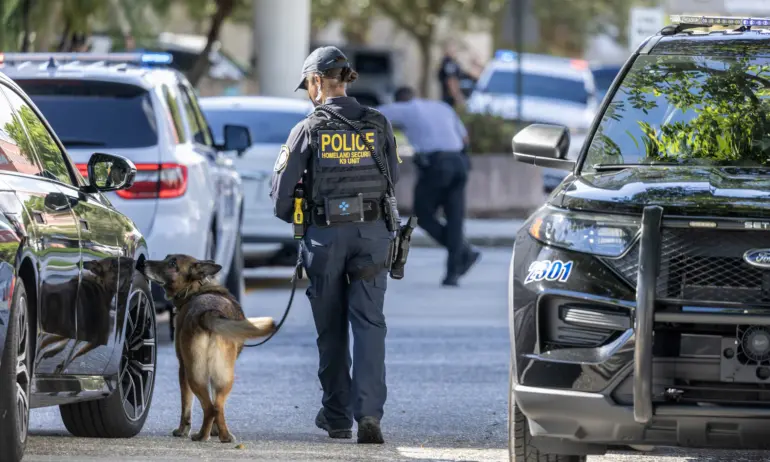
[43, 144]
[503, 82]
[91, 114]
[266, 126]
[174, 113]
[603, 77]
[688, 110]
[16, 153]
[198, 124]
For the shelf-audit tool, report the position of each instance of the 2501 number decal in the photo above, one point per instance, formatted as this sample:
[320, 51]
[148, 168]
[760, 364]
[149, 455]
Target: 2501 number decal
[548, 270]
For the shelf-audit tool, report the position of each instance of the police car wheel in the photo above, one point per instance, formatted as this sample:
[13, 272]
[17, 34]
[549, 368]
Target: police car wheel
[519, 447]
[122, 414]
[235, 283]
[16, 378]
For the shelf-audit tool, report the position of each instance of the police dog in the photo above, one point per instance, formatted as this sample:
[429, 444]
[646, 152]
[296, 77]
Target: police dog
[210, 332]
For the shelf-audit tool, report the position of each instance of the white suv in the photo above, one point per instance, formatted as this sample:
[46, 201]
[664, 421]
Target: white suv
[266, 239]
[187, 197]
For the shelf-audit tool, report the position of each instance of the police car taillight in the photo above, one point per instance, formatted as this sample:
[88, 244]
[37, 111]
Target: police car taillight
[153, 181]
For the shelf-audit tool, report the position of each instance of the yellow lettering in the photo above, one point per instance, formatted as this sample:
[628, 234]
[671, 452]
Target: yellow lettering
[325, 140]
[354, 161]
[336, 142]
[359, 143]
[345, 145]
[370, 137]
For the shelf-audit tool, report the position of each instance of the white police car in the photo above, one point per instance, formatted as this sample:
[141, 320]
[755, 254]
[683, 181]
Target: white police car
[555, 90]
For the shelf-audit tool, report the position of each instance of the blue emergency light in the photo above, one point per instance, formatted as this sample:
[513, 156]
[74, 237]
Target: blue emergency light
[143, 58]
[707, 21]
[505, 55]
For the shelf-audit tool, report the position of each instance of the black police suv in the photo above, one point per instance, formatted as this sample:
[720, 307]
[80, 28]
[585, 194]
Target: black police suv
[77, 320]
[640, 292]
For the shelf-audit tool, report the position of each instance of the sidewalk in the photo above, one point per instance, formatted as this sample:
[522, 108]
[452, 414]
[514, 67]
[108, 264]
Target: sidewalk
[480, 232]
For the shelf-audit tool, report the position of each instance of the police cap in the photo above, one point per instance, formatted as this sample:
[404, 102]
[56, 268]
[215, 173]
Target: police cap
[321, 60]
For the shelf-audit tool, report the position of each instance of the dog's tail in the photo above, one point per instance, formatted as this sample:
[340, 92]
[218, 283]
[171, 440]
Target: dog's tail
[240, 330]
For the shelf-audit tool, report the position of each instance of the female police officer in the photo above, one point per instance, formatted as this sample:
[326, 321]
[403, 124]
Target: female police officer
[346, 241]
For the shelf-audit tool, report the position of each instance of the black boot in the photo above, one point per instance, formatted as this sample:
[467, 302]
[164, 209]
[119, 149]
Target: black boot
[369, 431]
[323, 424]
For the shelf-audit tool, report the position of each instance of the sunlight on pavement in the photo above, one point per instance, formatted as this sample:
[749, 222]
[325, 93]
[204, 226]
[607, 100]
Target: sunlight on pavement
[454, 454]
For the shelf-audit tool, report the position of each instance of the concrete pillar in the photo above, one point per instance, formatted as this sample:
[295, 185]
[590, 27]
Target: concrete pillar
[282, 34]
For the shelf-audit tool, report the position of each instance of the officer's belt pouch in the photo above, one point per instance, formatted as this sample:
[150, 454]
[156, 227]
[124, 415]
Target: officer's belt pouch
[344, 209]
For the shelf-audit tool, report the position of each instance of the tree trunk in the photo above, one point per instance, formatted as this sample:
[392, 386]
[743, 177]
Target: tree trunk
[26, 25]
[202, 63]
[424, 43]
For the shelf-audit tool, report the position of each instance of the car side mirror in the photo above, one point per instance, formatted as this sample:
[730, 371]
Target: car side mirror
[237, 138]
[543, 145]
[107, 172]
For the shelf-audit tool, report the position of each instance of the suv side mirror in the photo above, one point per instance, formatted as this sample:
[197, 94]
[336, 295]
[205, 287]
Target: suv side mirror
[543, 145]
[237, 138]
[107, 172]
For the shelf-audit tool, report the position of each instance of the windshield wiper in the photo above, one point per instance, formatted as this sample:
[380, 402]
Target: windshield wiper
[81, 142]
[615, 167]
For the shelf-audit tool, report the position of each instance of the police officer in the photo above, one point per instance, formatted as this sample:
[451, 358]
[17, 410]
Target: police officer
[346, 242]
[438, 137]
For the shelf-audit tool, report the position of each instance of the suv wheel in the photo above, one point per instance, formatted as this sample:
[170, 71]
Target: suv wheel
[15, 378]
[122, 414]
[234, 282]
[519, 448]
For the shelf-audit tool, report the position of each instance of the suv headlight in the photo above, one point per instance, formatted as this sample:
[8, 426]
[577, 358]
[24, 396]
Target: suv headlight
[603, 235]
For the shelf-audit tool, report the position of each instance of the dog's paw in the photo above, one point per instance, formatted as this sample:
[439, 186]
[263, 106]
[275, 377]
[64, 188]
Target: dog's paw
[199, 437]
[181, 432]
[229, 438]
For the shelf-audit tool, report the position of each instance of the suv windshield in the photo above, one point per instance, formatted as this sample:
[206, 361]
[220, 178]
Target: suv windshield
[688, 110]
[266, 126]
[537, 85]
[95, 114]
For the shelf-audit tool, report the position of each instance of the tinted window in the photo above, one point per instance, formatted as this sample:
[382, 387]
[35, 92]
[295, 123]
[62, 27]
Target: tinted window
[95, 114]
[175, 114]
[538, 85]
[266, 126]
[48, 153]
[688, 110]
[195, 118]
[16, 153]
[372, 63]
[603, 78]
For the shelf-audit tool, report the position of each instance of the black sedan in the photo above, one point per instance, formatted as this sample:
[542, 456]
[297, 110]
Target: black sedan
[77, 322]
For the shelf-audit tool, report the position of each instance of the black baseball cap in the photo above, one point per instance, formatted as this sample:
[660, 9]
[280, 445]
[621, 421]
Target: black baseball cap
[321, 60]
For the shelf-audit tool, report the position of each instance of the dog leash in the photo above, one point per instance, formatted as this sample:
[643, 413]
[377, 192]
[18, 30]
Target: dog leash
[295, 276]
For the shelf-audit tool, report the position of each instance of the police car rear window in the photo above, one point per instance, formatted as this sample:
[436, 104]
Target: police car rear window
[86, 114]
[537, 85]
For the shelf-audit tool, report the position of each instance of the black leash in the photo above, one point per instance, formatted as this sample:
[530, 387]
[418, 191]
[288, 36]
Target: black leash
[297, 275]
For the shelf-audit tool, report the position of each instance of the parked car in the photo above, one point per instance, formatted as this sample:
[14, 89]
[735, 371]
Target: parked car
[187, 197]
[554, 90]
[639, 294]
[77, 320]
[266, 239]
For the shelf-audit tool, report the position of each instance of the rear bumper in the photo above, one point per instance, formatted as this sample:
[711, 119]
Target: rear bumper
[593, 418]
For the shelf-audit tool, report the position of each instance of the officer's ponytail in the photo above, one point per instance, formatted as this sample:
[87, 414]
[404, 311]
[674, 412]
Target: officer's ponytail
[348, 75]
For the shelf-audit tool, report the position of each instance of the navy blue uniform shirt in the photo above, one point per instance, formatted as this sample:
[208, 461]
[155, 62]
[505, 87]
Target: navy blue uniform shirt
[294, 158]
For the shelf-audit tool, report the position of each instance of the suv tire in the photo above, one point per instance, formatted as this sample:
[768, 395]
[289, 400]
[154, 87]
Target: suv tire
[110, 417]
[16, 378]
[519, 448]
[235, 283]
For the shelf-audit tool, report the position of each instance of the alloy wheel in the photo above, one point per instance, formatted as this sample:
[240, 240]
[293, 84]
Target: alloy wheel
[137, 365]
[23, 378]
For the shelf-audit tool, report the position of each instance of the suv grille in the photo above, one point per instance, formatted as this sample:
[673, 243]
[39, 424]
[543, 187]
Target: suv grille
[705, 265]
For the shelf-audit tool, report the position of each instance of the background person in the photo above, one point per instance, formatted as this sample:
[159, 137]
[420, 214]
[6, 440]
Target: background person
[438, 137]
[451, 73]
[345, 260]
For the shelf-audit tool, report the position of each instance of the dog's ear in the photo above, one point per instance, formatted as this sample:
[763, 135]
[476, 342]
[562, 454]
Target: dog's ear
[90, 265]
[205, 268]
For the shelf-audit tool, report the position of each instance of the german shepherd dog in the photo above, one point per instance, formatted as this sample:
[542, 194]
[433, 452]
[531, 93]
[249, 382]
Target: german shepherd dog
[210, 332]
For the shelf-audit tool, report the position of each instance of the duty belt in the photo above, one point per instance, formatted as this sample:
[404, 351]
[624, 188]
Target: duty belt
[372, 212]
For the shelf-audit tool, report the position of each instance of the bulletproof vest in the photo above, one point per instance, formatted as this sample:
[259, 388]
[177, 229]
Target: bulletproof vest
[341, 164]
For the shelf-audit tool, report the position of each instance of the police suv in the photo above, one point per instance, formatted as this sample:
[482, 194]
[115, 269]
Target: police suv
[554, 90]
[640, 293]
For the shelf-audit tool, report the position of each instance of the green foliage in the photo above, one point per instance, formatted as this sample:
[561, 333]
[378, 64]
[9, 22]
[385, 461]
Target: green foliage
[49, 154]
[489, 134]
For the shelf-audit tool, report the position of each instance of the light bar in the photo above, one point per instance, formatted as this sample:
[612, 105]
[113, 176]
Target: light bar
[134, 58]
[505, 55]
[718, 20]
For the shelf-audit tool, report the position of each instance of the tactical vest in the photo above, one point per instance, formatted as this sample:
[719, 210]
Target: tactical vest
[342, 165]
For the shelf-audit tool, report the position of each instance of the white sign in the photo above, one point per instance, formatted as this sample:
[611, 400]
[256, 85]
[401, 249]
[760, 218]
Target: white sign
[644, 22]
[747, 7]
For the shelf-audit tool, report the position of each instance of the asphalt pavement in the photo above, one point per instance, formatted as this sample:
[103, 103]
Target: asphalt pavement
[447, 363]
